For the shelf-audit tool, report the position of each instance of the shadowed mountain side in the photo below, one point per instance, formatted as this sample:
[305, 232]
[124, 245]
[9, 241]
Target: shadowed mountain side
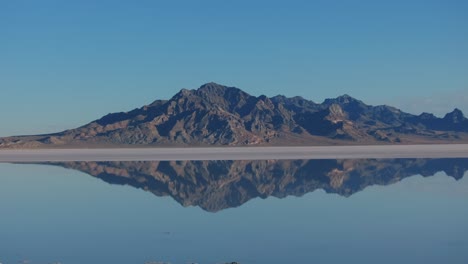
[217, 185]
[219, 115]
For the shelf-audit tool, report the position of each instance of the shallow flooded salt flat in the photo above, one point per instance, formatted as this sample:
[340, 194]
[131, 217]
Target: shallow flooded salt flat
[359, 211]
[237, 153]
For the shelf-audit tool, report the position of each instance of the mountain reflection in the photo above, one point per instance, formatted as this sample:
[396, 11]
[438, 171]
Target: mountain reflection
[217, 185]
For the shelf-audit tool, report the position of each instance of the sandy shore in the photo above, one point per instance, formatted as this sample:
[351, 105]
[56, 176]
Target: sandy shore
[237, 153]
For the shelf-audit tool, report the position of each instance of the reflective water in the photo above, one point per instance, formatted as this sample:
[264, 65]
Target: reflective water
[301, 211]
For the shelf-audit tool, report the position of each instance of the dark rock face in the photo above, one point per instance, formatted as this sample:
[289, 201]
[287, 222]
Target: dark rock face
[453, 121]
[219, 115]
[218, 185]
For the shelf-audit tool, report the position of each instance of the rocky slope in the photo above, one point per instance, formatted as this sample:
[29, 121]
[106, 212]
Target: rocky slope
[220, 115]
[217, 185]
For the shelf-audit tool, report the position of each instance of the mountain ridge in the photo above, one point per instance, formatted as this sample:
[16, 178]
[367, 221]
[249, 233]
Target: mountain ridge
[215, 114]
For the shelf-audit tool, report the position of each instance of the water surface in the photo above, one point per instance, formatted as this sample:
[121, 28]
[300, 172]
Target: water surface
[285, 211]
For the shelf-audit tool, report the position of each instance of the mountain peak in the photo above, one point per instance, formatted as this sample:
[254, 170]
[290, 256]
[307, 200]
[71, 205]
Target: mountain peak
[427, 116]
[214, 89]
[346, 98]
[342, 99]
[457, 111]
[456, 116]
[212, 86]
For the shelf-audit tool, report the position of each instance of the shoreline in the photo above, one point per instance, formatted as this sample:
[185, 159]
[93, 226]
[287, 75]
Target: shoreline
[236, 153]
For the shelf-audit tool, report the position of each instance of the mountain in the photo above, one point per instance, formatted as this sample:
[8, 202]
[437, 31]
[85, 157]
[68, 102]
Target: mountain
[218, 185]
[219, 115]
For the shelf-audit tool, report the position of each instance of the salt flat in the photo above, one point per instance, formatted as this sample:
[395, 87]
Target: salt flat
[236, 153]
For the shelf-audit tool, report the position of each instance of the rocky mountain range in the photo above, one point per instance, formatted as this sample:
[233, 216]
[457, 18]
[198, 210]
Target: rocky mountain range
[218, 185]
[219, 115]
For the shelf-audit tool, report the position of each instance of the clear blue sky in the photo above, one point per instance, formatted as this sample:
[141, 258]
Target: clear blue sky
[64, 63]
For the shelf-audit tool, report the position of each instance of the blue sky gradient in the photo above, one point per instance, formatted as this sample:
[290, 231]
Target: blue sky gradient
[65, 63]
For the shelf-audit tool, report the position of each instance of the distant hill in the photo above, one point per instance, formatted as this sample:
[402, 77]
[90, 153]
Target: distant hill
[219, 115]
